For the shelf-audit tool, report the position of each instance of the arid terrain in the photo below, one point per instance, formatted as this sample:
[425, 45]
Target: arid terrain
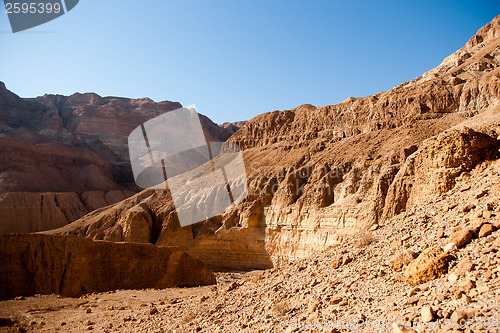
[372, 214]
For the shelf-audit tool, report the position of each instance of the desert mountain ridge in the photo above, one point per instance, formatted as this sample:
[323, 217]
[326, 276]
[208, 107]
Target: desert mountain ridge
[65, 156]
[317, 175]
[378, 213]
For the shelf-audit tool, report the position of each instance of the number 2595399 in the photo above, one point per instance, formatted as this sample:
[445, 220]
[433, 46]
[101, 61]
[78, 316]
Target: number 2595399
[32, 8]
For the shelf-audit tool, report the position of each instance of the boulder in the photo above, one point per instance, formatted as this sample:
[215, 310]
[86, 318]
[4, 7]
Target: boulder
[429, 265]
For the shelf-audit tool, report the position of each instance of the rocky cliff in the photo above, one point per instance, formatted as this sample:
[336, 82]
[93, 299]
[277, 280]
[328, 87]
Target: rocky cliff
[72, 266]
[62, 157]
[316, 175]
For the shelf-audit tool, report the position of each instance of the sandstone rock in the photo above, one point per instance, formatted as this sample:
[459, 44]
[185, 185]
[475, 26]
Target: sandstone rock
[427, 314]
[398, 261]
[71, 266]
[450, 248]
[486, 229]
[459, 315]
[468, 208]
[467, 284]
[430, 264]
[33, 212]
[462, 237]
[465, 265]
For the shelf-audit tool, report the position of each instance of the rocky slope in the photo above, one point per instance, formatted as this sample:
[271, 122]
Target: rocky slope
[434, 267]
[74, 147]
[316, 174]
[72, 266]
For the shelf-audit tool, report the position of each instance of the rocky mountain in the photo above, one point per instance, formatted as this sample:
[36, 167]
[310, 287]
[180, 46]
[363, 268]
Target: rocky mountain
[319, 174]
[74, 147]
[233, 127]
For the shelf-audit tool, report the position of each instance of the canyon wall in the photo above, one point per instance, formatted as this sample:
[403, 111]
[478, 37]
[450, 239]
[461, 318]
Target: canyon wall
[73, 266]
[62, 157]
[318, 175]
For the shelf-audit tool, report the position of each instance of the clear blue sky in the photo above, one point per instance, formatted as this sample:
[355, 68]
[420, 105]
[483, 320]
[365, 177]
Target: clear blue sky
[236, 59]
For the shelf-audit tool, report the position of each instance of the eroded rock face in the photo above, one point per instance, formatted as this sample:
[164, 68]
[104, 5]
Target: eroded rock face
[71, 266]
[35, 211]
[45, 184]
[74, 147]
[317, 174]
[434, 168]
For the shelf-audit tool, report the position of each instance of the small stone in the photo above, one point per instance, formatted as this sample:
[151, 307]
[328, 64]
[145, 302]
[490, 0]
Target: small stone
[466, 265]
[468, 208]
[453, 277]
[374, 227]
[462, 237]
[413, 300]
[343, 303]
[312, 307]
[450, 248]
[335, 300]
[487, 250]
[458, 294]
[89, 323]
[396, 244]
[440, 233]
[465, 299]
[467, 284]
[465, 188]
[153, 310]
[346, 259]
[232, 286]
[458, 315]
[427, 314]
[336, 263]
[63, 323]
[481, 194]
[487, 214]
[485, 230]
[89, 310]
[398, 261]
[482, 289]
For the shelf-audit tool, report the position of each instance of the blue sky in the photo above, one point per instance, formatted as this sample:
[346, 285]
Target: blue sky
[236, 59]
